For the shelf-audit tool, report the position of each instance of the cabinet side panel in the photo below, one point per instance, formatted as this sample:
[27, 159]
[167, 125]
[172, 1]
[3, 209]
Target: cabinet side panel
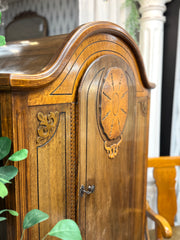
[49, 169]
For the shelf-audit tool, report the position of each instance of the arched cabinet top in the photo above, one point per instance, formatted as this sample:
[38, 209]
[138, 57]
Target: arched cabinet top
[36, 63]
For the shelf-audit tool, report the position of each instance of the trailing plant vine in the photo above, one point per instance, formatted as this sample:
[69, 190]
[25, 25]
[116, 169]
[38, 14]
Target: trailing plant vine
[132, 21]
[8, 172]
[2, 38]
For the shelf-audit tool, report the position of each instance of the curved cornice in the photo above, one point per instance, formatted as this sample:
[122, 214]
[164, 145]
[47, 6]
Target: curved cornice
[75, 38]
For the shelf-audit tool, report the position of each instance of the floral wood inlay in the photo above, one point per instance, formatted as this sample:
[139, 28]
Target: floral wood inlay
[114, 103]
[47, 126]
[113, 108]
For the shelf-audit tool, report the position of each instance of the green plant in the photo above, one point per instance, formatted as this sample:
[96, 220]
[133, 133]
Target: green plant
[65, 229]
[132, 21]
[7, 173]
[2, 38]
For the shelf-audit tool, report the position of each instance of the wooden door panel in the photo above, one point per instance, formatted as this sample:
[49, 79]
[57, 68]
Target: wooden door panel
[107, 152]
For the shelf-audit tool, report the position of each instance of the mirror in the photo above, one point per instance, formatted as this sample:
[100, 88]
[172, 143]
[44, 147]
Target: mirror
[27, 25]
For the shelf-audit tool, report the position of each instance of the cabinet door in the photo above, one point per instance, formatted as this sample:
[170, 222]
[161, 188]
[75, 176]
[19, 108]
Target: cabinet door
[107, 206]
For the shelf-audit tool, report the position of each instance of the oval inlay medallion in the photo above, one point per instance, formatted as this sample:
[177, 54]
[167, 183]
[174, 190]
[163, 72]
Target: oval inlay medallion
[114, 103]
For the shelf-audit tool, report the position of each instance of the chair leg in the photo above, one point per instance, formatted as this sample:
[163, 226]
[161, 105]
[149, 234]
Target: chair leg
[147, 232]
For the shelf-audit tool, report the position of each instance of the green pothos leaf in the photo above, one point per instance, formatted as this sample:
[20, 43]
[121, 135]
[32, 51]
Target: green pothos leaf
[33, 217]
[8, 172]
[19, 155]
[4, 180]
[66, 229]
[2, 40]
[3, 190]
[5, 142]
[2, 219]
[12, 212]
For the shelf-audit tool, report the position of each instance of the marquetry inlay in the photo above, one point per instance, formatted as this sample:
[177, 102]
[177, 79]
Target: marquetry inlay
[114, 103]
[113, 107]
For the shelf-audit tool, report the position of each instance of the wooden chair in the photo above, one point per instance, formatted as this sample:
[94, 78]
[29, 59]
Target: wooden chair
[165, 174]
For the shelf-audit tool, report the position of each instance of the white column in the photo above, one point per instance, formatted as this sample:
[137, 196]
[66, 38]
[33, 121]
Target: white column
[151, 46]
[86, 11]
[102, 10]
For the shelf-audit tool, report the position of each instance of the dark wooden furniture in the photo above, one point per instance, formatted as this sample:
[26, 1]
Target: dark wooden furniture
[80, 104]
[165, 175]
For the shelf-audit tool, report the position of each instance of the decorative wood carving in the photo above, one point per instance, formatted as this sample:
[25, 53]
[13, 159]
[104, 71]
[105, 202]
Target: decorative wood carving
[144, 107]
[73, 160]
[113, 108]
[112, 150]
[47, 126]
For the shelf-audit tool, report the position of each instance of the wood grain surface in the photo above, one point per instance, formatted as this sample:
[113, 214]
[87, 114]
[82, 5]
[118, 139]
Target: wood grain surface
[80, 104]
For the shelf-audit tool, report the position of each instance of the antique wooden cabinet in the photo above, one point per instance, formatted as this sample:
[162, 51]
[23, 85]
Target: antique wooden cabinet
[80, 104]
